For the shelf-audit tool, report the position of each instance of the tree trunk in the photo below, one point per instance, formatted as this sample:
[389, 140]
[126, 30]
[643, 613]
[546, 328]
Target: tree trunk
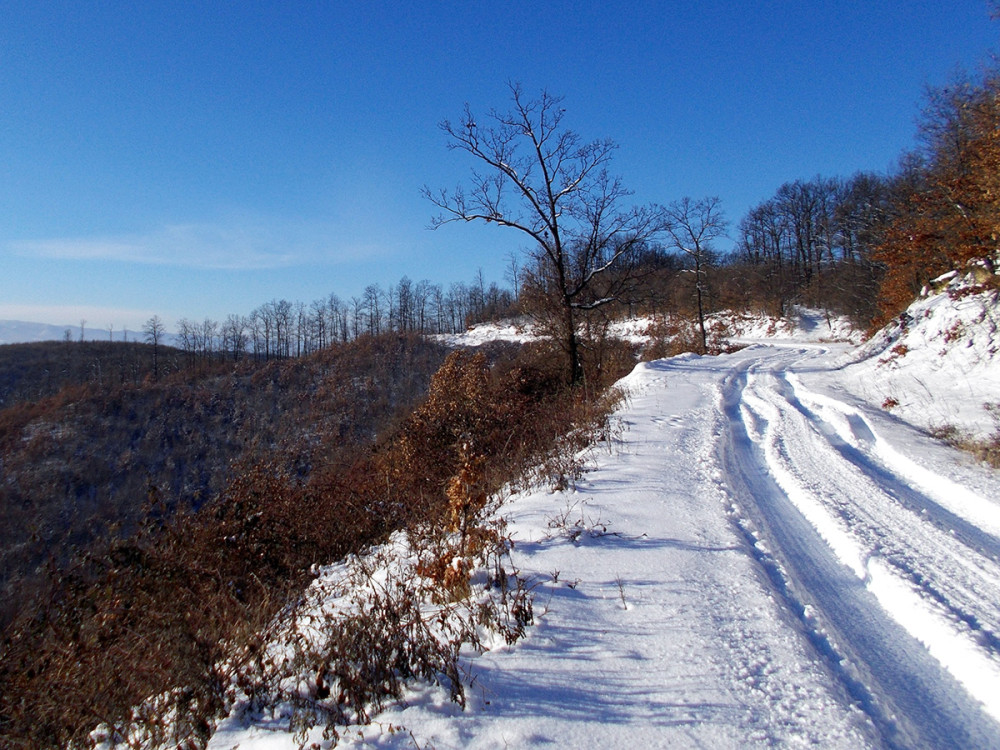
[701, 321]
[573, 348]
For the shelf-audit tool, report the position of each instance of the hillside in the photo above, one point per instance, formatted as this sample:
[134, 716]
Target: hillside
[88, 455]
[177, 605]
[34, 371]
[762, 555]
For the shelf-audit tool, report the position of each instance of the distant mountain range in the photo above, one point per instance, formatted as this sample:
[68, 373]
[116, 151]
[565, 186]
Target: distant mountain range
[22, 332]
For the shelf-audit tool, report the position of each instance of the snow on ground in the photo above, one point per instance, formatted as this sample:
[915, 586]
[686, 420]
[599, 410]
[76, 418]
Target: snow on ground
[939, 364]
[634, 330]
[518, 332]
[802, 324]
[654, 628]
[764, 557]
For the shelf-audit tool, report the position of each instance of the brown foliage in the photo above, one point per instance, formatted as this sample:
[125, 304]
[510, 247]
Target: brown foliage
[165, 609]
[947, 211]
[165, 597]
[75, 462]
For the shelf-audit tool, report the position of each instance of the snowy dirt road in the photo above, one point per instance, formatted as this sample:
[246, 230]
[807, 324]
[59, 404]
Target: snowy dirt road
[758, 560]
[890, 563]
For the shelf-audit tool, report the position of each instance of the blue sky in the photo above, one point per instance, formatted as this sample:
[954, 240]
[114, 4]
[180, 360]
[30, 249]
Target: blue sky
[193, 159]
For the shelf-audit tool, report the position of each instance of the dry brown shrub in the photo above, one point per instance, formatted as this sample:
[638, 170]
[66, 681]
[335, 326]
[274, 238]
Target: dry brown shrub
[985, 449]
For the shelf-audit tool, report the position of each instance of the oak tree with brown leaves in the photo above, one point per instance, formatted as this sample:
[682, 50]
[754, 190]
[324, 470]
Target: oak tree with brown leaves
[947, 208]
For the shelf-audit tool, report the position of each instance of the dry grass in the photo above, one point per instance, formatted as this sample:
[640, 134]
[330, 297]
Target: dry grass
[986, 450]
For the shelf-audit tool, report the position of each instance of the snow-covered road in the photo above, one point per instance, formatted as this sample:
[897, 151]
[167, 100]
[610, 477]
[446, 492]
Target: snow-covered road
[890, 564]
[760, 560]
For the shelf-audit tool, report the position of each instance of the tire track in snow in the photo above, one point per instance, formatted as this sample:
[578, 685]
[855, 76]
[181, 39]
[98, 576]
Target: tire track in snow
[911, 699]
[969, 517]
[944, 591]
[981, 548]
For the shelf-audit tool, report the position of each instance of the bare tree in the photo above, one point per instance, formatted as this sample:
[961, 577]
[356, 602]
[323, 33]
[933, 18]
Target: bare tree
[373, 307]
[546, 182]
[338, 315]
[283, 310]
[319, 323]
[187, 334]
[404, 304]
[440, 302]
[693, 226]
[234, 336]
[421, 298]
[513, 274]
[153, 330]
[301, 318]
[357, 315]
[207, 337]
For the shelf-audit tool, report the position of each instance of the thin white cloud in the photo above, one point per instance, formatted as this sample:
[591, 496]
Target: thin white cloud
[234, 245]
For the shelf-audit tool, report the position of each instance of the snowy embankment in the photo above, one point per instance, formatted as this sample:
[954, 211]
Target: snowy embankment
[763, 557]
[938, 364]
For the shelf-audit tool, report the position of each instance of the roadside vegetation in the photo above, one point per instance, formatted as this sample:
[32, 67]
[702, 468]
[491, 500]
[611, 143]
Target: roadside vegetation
[162, 609]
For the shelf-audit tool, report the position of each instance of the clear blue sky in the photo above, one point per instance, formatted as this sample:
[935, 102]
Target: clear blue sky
[193, 159]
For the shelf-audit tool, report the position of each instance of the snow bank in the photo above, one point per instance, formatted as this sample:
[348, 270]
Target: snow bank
[801, 324]
[938, 365]
[518, 332]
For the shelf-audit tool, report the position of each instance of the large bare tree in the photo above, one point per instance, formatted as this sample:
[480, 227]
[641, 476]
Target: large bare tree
[535, 176]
